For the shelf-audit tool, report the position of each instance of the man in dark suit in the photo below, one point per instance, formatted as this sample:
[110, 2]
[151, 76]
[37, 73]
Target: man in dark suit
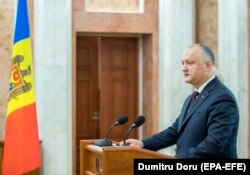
[207, 126]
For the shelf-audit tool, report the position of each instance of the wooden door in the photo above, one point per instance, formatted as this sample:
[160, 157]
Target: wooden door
[118, 83]
[106, 87]
[87, 102]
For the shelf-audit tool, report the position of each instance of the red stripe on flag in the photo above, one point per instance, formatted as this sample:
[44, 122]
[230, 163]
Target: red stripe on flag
[21, 148]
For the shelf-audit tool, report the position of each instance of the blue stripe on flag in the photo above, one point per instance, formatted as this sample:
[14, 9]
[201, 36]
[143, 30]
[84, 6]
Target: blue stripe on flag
[22, 22]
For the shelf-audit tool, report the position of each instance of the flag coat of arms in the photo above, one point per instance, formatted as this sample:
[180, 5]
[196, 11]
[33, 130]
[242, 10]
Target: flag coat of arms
[22, 152]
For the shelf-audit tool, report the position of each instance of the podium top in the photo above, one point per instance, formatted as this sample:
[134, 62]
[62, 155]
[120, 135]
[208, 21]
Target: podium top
[139, 152]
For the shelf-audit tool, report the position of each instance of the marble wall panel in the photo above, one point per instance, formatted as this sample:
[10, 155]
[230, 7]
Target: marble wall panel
[6, 38]
[7, 4]
[113, 5]
[207, 23]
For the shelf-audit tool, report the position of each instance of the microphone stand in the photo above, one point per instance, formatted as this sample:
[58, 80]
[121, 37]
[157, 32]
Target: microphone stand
[106, 141]
[125, 136]
[138, 122]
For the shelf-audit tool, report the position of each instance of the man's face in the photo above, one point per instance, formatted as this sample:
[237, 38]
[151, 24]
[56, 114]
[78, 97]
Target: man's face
[195, 69]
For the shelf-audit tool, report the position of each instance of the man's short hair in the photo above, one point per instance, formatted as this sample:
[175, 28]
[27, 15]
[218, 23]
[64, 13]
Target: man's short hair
[207, 52]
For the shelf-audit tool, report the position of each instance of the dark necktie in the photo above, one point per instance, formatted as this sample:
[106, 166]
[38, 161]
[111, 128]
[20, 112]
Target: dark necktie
[194, 96]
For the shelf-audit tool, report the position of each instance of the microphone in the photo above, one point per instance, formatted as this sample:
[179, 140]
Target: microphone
[138, 122]
[106, 142]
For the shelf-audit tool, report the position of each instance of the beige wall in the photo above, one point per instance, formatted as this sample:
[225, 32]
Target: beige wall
[6, 38]
[113, 5]
[207, 23]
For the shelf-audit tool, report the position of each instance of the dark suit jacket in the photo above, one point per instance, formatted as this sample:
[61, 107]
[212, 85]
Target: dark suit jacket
[208, 130]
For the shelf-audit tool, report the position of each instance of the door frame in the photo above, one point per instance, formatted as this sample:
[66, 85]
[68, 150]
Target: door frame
[147, 84]
[144, 44]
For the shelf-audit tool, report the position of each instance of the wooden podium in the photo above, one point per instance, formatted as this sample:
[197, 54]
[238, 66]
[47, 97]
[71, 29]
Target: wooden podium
[111, 160]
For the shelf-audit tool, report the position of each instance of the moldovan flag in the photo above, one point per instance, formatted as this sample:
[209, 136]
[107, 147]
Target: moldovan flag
[21, 148]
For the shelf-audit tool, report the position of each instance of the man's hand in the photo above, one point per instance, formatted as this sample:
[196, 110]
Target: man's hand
[134, 142]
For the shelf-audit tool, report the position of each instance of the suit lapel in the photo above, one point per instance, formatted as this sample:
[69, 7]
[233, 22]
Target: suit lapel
[184, 112]
[185, 116]
[201, 98]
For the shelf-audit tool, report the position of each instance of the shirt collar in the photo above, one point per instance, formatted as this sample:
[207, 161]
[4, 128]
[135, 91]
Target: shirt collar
[204, 84]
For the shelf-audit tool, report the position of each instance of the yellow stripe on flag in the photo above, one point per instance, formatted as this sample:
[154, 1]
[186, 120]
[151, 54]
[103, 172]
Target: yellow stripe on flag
[21, 81]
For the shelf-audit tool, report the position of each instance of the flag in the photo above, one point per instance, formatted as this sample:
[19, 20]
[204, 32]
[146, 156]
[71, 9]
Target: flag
[21, 146]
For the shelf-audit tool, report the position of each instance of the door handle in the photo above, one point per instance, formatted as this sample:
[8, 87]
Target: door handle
[96, 118]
